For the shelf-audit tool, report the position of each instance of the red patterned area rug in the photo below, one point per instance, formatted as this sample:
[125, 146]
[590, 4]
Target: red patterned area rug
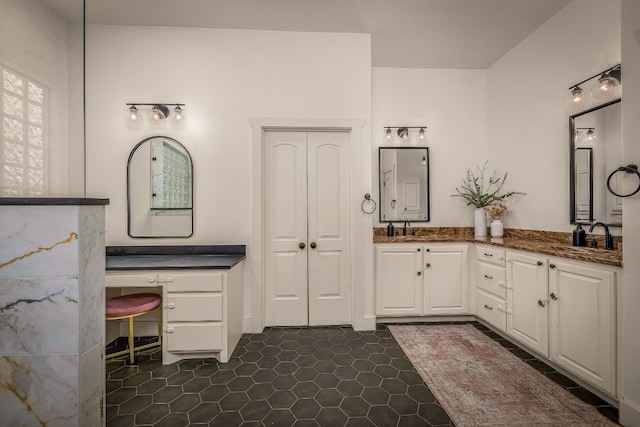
[480, 383]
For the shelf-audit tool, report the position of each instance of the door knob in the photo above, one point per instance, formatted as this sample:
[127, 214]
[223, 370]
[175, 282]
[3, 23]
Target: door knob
[313, 245]
[301, 245]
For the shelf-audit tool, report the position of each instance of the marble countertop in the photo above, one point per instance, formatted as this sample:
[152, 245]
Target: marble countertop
[174, 257]
[547, 243]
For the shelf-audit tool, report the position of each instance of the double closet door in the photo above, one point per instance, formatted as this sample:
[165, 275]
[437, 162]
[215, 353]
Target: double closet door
[307, 228]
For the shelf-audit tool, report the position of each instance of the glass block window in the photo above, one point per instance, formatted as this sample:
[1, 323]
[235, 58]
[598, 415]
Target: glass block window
[171, 176]
[23, 135]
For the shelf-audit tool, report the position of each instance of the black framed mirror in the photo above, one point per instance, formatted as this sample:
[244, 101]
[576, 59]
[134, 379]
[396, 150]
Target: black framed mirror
[596, 149]
[404, 184]
[159, 189]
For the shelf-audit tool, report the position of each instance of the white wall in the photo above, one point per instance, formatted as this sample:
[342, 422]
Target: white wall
[225, 77]
[453, 105]
[38, 43]
[630, 399]
[528, 130]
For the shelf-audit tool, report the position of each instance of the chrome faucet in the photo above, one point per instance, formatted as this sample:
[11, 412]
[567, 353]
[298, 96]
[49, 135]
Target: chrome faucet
[404, 230]
[608, 238]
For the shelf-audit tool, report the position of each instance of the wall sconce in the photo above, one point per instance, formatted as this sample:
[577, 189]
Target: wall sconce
[158, 113]
[606, 86]
[585, 135]
[404, 132]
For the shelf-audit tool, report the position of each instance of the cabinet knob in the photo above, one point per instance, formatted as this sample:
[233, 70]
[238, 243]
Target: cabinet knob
[169, 330]
[301, 245]
[428, 265]
[428, 250]
[540, 303]
[539, 263]
[552, 266]
[486, 276]
[419, 249]
[487, 307]
[553, 296]
[171, 305]
[313, 245]
[419, 273]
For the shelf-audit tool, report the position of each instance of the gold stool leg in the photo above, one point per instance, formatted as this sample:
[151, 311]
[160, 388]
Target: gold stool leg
[160, 323]
[131, 351]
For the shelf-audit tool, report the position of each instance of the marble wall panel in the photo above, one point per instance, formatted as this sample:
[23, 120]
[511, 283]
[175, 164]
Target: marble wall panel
[92, 374]
[39, 241]
[38, 315]
[39, 390]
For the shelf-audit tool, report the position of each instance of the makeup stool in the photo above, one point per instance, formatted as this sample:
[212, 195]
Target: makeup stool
[128, 307]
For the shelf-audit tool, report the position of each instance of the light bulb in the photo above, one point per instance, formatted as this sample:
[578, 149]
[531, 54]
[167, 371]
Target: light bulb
[424, 160]
[133, 113]
[577, 97]
[421, 133]
[591, 134]
[605, 88]
[134, 118]
[389, 133]
[403, 133]
[179, 117]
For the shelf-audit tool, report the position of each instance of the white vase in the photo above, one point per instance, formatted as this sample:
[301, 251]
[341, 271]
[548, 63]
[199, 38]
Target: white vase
[480, 222]
[497, 229]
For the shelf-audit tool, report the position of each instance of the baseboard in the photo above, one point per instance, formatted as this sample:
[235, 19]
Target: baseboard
[426, 319]
[629, 414]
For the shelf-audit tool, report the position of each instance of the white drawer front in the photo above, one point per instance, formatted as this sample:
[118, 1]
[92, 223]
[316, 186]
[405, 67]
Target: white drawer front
[192, 282]
[492, 278]
[491, 309]
[193, 337]
[493, 256]
[138, 280]
[194, 307]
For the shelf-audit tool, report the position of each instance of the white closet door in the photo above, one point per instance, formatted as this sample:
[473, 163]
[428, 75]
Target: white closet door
[306, 204]
[329, 231]
[286, 296]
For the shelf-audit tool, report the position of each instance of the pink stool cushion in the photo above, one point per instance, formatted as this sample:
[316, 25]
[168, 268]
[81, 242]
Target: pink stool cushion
[132, 304]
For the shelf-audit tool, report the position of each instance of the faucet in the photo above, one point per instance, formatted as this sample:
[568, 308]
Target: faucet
[608, 238]
[404, 230]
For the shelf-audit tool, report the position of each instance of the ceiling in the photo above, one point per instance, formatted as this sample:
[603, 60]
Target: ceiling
[466, 34]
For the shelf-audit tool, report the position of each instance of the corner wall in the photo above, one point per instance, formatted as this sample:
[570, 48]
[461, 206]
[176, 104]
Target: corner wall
[528, 89]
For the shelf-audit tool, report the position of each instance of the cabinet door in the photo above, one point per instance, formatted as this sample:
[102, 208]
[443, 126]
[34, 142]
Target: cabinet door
[527, 319]
[445, 288]
[583, 322]
[398, 280]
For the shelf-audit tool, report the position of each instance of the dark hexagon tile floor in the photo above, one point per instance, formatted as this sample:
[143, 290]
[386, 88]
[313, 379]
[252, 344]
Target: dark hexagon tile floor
[317, 376]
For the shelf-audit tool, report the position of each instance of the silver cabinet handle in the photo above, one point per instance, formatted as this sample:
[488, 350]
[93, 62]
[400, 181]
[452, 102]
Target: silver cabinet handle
[171, 305]
[169, 330]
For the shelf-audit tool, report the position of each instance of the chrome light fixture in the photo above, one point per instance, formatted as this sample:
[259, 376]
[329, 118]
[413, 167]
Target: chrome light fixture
[157, 114]
[404, 132]
[578, 99]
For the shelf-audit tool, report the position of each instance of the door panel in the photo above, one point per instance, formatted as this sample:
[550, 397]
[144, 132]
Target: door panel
[306, 201]
[285, 228]
[328, 196]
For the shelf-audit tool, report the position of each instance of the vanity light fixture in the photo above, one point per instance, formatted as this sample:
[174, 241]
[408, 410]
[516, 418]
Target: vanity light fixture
[404, 132]
[605, 86]
[584, 135]
[157, 113]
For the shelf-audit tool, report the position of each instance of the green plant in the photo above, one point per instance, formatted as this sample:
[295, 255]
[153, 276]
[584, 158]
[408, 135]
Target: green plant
[476, 191]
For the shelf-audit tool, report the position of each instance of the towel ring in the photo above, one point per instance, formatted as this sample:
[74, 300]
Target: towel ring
[369, 205]
[627, 169]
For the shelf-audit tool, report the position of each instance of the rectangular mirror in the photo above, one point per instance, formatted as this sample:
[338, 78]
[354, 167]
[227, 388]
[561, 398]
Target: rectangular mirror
[596, 151]
[404, 184]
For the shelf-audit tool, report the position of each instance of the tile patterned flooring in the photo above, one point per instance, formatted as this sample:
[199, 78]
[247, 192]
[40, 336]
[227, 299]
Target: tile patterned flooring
[318, 376]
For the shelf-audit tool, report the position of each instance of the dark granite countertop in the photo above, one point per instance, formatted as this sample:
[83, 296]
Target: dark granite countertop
[174, 257]
[51, 201]
[542, 242]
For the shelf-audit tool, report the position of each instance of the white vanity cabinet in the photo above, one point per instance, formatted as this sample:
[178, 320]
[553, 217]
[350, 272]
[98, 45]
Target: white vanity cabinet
[417, 280]
[582, 321]
[202, 309]
[490, 280]
[527, 305]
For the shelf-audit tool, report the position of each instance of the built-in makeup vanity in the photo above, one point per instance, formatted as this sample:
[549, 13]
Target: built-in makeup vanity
[201, 288]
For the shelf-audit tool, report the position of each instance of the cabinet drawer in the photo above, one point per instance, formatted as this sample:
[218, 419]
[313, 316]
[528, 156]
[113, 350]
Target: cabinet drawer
[193, 337]
[492, 278]
[490, 255]
[138, 280]
[190, 307]
[192, 282]
[491, 309]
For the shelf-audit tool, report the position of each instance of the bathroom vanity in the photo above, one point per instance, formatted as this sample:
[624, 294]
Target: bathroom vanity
[201, 288]
[556, 300]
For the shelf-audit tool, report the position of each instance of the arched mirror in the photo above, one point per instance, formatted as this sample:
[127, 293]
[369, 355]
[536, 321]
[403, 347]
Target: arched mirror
[160, 189]
[404, 184]
[596, 151]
